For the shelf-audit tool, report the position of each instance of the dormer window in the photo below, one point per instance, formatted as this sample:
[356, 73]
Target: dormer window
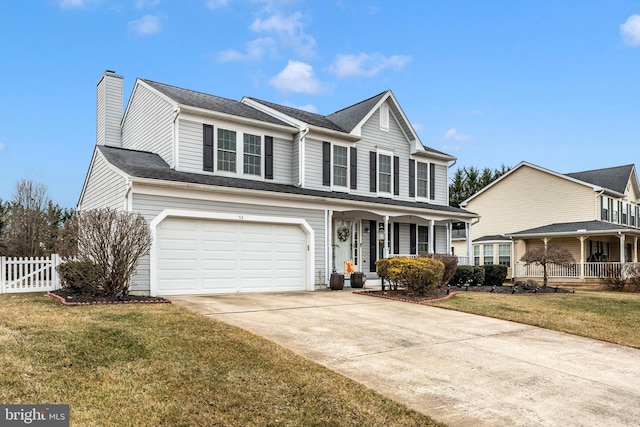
[384, 117]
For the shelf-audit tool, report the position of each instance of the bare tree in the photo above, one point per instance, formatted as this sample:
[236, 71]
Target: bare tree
[26, 224]
[545, 255]
[113, 241]
[4, 212]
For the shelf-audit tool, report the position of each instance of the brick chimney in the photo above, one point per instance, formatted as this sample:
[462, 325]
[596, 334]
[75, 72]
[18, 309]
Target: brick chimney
[109, 109]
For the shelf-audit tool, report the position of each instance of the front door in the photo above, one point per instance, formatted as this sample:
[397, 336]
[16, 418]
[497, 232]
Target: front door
[346, 244]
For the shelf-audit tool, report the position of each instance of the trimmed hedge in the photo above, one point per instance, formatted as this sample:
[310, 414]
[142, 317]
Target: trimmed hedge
[417, 275]
[78, 275]
[494, 274]
[468, 275]
[450, 264]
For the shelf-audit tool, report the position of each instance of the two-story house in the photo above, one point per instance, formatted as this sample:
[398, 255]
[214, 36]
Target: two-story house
[594, 214]
[251, 196]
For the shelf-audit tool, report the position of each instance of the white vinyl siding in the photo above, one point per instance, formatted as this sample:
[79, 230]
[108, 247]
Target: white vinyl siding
[105, 187]
[109, 111]
[440, 241]
[151, 206]
[282, 161]
[441, 188]
[190, 146]
[148, 125]
[313, 164]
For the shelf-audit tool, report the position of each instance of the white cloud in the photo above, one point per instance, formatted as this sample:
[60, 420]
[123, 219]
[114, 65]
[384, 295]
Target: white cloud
[289, 31]
[309, 107]
[216, 4]
[298, 77]
[254, 49]
[72, 3]
[630, 31]
[451, 148]
[2, 147]
[366, 65]
[455, 136]
[146, 25]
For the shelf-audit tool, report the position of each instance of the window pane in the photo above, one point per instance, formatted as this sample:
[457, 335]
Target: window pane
[252, 153]
[385, 173]
[488, 254]
[504, 255]
[226, 150]
[422, 175]
[340, 166]
[423, 239]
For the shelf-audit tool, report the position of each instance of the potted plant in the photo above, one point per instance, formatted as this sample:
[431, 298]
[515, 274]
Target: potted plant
[356, 278]
[336, 282]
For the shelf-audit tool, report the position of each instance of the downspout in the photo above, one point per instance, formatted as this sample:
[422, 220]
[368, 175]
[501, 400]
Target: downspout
[128, 197]
[596, 204]
[303, 134]
[176, 149]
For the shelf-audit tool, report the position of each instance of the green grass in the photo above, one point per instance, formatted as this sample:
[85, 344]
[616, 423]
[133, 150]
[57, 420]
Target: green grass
[162, 365]
[606, 316]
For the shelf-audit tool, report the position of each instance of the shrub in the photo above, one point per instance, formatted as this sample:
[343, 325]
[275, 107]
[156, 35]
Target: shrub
[467, 275]
[450, 264]
[113, 241]
[79, 275]
[613, 277]
[417, 275]
[633, 273]
[494, 274]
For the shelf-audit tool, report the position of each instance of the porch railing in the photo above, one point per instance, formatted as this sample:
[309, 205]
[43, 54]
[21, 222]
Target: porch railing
[588, 270]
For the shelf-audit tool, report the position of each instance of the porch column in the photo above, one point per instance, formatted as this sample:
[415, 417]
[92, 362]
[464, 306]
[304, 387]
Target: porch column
[514, 260]
[581, 273]
[635, 248]
[329, 240]
[621, 248]
[449, 238]
[386, 237]
[431, 236]
[468, 234]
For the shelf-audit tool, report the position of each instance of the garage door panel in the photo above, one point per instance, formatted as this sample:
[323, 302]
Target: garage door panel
[215, 256]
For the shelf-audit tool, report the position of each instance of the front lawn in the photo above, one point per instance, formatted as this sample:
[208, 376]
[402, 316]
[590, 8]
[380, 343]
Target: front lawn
[606, 316]
[162, 365]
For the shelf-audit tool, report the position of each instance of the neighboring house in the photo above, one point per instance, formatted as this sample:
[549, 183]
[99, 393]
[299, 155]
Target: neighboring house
[594, 214]
[252, 196]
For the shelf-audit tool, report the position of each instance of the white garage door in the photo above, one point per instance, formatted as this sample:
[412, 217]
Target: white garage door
[198, 256]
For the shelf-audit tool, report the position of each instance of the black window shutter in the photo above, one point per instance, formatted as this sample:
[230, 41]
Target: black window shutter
[372, 171]
[354, 168]
[412, 178]
[207, 146]
[432, 181]
[373, 241]
[413, 250]
[396, 175]
[268, 157]
[326, 163]
[396, 238]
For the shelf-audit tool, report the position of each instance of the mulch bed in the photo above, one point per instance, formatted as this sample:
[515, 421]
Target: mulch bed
[66, 297]
[444, 293]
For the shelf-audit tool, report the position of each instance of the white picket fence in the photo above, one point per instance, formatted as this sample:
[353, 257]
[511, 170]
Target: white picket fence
[29, 274]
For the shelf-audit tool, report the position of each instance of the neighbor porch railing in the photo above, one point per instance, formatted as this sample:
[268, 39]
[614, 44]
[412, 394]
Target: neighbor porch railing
[29, 274]
[587, 270]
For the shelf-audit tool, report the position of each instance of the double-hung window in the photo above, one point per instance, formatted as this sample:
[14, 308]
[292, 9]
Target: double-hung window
[252, 154]
[488, 254]
[226, 150]
[384, 173]
[476, 255]
[340, 165]
[504, 255]
[604, 215]
[614, 214]
[422, 178]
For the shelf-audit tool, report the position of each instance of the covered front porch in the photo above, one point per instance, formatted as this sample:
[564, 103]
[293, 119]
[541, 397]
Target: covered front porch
[601, 250]
[364, 236]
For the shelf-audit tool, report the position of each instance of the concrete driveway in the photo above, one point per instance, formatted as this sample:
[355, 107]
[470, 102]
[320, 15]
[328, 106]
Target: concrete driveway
[461, 369]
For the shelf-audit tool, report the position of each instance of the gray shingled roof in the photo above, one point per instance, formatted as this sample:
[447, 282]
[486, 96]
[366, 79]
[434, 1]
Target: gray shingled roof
[615, 178]
[573, 227]
[213, 103]
[349, 117]
[143, 164]
[304, 116]
[492, 238]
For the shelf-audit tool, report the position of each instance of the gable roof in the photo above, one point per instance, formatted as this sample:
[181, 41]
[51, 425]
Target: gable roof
[615, 178]
[302, 115]
[574, 228]
[213, 103]
[144, 164]
[348, 118]
[611, 178]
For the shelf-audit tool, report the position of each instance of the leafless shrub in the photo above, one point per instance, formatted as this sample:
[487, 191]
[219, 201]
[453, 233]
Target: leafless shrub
[112, 241]
[545, 255]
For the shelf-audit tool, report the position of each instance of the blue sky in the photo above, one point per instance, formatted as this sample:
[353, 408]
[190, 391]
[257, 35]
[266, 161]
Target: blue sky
[552, 82]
